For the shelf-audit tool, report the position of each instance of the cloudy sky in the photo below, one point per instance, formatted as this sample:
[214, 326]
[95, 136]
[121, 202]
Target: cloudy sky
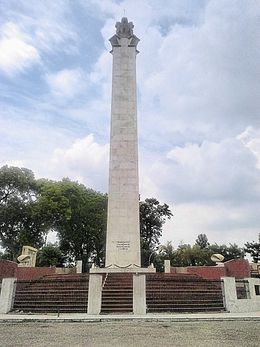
[198, 103]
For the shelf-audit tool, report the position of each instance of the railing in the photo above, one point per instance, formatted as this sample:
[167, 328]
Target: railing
[242, 289]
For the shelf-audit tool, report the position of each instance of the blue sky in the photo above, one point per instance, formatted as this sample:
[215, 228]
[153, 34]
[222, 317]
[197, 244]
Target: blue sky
[198, 103]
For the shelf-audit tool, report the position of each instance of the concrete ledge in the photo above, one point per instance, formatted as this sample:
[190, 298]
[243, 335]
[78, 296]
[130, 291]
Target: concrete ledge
[122, 270]
[178, 317]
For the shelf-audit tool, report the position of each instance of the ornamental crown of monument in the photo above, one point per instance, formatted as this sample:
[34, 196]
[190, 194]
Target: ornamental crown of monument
[124, 30]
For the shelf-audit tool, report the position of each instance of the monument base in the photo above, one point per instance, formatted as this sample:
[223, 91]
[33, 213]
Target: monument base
[139, 287]
[117, 269]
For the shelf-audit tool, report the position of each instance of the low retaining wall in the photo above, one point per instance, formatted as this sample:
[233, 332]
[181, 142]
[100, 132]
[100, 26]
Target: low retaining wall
[34, 273]
[249, 303]
[238, 268]
[207, 272]
[8, 269]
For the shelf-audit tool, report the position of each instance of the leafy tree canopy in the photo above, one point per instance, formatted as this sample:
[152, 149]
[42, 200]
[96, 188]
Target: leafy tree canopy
[152, 217]
[202, 241]
[198, 254]
[78, 216]
[50, 255]
[20, 222]
[253, 248]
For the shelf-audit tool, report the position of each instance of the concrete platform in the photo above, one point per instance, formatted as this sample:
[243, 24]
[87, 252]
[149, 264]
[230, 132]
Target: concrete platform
[181, 317]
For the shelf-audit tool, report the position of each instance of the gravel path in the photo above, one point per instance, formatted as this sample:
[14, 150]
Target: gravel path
[131, 333]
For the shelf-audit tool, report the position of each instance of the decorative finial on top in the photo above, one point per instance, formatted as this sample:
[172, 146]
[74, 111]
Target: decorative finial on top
[124, 28]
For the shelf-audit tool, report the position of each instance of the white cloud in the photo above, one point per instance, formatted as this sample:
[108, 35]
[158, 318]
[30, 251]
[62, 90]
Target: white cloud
[208, 172]
[85, 161]
[221, 222]
[17, 163]
[251, 139]
[200, 80]
[16, 52]
[66, 83]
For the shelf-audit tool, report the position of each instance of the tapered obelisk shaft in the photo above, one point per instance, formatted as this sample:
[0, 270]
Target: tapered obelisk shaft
[123, 231]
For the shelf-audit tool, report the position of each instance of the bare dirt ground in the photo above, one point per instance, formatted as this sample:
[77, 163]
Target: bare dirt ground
[131, 333]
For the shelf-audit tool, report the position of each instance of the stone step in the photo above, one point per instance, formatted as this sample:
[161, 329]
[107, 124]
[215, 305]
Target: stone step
[50, 289]
[45, 298]
[183, 305]
[48, 304]
[184, 291]
[117, 307]
[117, 294]
[52, 294]
[55, 287]
[53, 284]
[116, 310]
[186, 284]
[186, 309]
[184, 301]
[45, 279]
[186, 298]
[52, 309]
[117, 290]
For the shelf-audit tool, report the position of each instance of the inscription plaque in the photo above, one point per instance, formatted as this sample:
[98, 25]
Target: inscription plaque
[123, 245]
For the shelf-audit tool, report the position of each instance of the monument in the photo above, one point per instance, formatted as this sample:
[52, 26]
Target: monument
[123, 231]
[123, 253]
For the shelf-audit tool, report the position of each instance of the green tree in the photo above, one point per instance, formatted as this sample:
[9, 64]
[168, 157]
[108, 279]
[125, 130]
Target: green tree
[20, 221]
[253, 248]
[187, 255]
[4, 256]
[167, 251]
[50, 255]
[229, 252]
[152, 217]
[202, 241]
[78, 216]
[198, 254]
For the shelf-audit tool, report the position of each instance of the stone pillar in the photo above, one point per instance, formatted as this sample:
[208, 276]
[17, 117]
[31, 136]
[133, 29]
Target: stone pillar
[7, 294]
[79, 266]
[167, 266]
[94, 293]
[139, 294]
[123, 230]
[229, 291]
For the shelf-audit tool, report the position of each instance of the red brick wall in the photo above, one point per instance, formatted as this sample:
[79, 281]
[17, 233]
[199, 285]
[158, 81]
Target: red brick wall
[7, 269]
[238, 268]
[208, 272]
[33, 273]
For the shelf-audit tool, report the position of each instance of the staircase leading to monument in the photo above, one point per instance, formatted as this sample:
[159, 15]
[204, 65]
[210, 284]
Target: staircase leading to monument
[117, 293]
[182, 293]
[164, 293]
[53, 293]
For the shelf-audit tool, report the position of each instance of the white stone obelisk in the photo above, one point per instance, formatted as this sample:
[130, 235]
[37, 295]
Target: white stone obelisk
[123, 230]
